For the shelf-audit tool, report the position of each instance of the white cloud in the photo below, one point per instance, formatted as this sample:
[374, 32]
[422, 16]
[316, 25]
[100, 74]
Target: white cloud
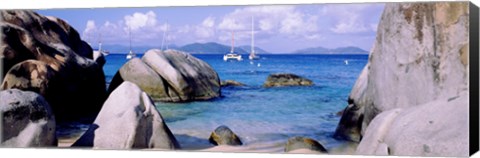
[206, 28]
[284, 20]
[140, 20]
[352, 18]
[90, 26]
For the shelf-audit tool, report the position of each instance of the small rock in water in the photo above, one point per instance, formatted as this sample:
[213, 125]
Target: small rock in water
[285, 79]
[224, 136]
[228, 83]
[296, 143]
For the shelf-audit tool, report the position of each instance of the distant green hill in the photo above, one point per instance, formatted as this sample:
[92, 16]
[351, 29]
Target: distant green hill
[208, 48]
[258, 50]
[339, 50]
[216, 48]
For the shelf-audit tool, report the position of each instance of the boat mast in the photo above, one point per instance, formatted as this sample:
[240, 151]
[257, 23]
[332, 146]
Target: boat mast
[163, 39]
[130, 38]
[253, 38]
[233, 43]
[100, 43]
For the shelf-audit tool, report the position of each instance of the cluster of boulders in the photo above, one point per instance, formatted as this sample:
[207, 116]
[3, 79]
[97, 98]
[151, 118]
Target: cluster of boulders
[46, 55]
[53, 76]
[50, 76]
[412, 97]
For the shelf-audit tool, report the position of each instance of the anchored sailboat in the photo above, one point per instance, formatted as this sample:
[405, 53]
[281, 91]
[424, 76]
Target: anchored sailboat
[232, 55]
[100, 50]
[130, 54]
[252, 55]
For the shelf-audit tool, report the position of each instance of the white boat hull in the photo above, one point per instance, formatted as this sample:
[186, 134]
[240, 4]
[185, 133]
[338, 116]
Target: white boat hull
[232, 57]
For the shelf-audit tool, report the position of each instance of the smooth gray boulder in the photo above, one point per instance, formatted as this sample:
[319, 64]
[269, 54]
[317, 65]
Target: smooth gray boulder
[136, 71]
[420, 56]
[170, 76]
[286, 79]
[76, 89]
[296, 143]
[128, 120]
[223, 135]
[437, 128]
[27, 120]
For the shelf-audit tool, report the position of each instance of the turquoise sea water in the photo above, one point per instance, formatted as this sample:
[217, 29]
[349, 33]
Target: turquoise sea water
[264, 118]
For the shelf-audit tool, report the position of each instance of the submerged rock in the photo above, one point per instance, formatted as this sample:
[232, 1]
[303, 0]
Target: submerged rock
[28, 120]
[74, 84]
[224, 136]
[231, 83]
[128, 120]
[285, 79]
[177, 76]
[296, 143]
[420, 57]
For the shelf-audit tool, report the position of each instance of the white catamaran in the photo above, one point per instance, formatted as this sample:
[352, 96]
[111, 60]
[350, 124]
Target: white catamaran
[232, 55]
[252, 55]
[130, 54]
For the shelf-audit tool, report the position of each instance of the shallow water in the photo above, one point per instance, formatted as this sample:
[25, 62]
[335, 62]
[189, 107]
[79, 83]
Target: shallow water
[263, 118]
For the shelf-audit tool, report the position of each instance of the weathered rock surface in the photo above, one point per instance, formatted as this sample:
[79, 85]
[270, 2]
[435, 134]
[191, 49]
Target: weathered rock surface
[223, 135]
[181, 77]
[128, 119]
[420, 57]
[29, 75]
[27, 120]
[431, 129]
[77, 86]
[285, 79]
[296, 143]
[231, 83]
[136, 71]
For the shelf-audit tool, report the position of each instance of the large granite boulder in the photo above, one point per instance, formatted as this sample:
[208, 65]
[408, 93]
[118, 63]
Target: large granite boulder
[295, 143]
[77, 87]
[286, 79]
[431, 129]
[29, 75]
[27, 120]
[420, 56]
[178, 76]
[223, 135]
[136, 71]
[128, 120]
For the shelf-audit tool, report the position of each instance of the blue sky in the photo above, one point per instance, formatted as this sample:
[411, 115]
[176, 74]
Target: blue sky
[278, 28]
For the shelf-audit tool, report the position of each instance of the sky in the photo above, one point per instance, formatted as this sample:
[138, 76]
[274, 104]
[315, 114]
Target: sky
[277, 28]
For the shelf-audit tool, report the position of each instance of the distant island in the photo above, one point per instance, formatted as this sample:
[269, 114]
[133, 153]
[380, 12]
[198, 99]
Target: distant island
[339, 50]
[216, 48]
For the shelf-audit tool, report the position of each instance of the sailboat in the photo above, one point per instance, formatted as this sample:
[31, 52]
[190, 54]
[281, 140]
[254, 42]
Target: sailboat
[130, 54]
[252, 55]
[100, 50]
[232, 55]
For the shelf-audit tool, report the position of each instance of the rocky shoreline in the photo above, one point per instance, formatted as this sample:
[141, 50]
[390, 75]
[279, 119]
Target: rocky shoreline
[413, 88]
